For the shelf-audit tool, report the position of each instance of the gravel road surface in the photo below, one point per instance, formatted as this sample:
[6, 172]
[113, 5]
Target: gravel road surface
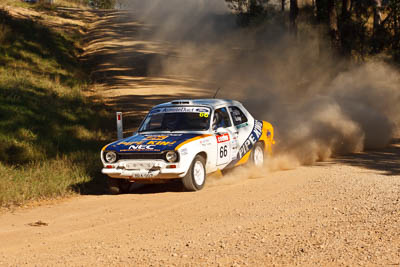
[344, 212]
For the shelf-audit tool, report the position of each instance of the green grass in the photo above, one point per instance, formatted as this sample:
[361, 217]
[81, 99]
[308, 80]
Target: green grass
[41, 180]
[50, 134]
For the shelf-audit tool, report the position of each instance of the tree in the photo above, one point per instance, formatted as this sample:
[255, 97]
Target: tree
[294, 12]
[377, 15]
[246, 6]
[377, 34]
[249, 11]
[346, 28]
[392, 25]
[320, 8]
[333, 25]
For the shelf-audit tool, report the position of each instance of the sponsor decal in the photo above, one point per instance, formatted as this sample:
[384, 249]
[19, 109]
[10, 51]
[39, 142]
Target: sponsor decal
[242, 125]
[130, 143]
[181, 110]
[156, 137]
[145, 142]
[141, 147]
[205, 142]
[160, 143]
[223, 138]
[149, 146]
[152, 142]
[251, 140]
[140, 150]
[184, 151]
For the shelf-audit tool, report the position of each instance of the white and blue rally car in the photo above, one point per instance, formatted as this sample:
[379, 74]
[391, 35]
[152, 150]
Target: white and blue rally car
[187, 139]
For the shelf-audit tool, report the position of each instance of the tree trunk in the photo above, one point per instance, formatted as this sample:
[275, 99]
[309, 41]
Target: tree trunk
[378, 42]
[346, 6]
[294, 12]
[346, 28]
[319, 10]
[333, 25]
[377, 15]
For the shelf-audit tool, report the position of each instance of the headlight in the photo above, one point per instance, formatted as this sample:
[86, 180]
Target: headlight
[171, 156]
[111, 157]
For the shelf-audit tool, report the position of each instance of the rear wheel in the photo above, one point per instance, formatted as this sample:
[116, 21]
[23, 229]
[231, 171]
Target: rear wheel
[195, 178]
[257, 155]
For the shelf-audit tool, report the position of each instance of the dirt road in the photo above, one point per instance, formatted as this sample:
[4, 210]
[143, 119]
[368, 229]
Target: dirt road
[126, 62]
[331, 214]
[342, 212]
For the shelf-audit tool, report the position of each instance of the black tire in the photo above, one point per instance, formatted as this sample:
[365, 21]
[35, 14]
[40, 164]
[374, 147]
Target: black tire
[118, 186]
[189, 181]
[256, 149]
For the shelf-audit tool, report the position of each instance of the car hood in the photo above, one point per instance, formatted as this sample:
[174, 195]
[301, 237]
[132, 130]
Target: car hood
[150, 142]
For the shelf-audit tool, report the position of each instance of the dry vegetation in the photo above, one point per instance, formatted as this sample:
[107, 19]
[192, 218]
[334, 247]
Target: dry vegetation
[49, 132]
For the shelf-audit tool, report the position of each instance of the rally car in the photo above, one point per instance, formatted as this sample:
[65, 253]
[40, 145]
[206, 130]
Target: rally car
[186, 140]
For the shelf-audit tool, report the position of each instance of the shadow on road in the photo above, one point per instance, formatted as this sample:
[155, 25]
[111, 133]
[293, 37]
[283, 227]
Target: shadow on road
[99, 186]
[173, 186]
[385, 160]
[124, 53]
[125, 63]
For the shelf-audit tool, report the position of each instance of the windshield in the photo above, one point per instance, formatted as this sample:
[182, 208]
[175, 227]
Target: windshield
[177, 119]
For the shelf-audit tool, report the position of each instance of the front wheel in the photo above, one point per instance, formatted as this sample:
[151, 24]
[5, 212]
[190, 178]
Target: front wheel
[257, 155]
[195, 178]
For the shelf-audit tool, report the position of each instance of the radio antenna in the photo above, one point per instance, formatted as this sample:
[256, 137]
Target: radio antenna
[217, 92]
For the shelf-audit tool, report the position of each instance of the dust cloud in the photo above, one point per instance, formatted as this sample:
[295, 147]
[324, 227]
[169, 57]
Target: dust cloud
[320, 106]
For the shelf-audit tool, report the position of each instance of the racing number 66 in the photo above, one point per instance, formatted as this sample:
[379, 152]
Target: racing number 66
[223, 151]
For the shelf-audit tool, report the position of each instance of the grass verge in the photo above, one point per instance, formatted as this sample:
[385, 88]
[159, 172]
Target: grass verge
[50, 134]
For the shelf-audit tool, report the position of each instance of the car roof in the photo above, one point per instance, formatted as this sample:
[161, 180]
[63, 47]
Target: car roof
[211, 102]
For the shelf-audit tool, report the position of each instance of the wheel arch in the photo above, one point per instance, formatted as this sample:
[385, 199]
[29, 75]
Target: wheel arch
[264, 144]
[203, 154]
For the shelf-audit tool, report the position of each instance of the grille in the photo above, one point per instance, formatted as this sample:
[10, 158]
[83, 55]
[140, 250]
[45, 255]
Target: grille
[141, 156]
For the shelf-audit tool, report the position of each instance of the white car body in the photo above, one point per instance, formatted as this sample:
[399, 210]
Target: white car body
[141, 157]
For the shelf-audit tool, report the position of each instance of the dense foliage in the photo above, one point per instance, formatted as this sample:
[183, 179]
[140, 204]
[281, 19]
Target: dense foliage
[357, 28]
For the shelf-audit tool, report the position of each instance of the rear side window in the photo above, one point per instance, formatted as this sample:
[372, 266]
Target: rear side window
[238, 116]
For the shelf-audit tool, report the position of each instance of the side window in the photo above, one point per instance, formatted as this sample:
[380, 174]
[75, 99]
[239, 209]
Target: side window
[221, 119]
[237, 115]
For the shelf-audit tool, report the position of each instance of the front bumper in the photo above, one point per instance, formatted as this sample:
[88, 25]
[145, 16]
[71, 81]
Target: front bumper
[141, 169]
